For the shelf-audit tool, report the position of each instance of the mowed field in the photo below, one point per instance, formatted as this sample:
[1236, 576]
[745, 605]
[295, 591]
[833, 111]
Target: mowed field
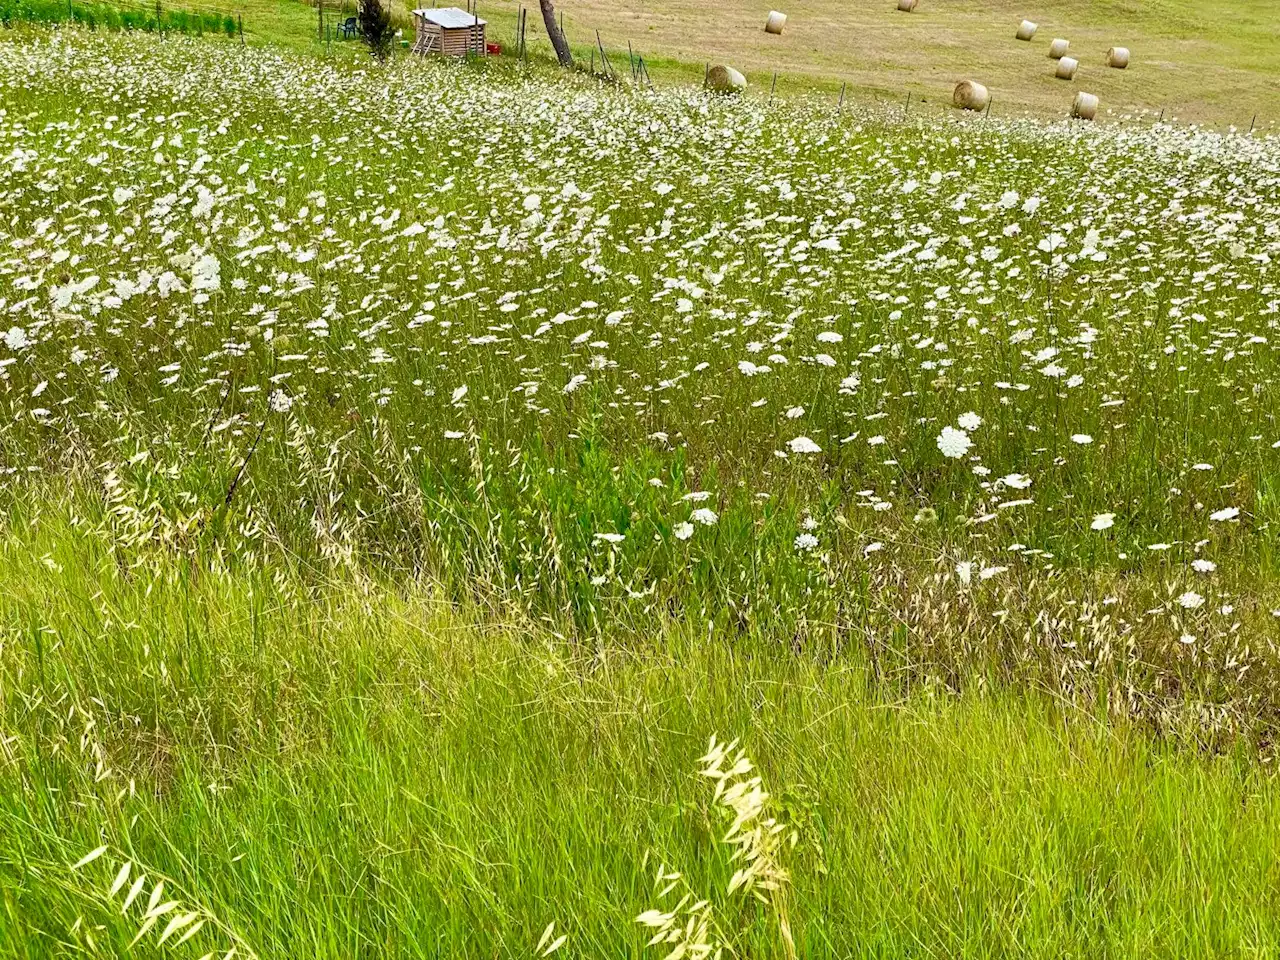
[476, 510]
[1215, 62]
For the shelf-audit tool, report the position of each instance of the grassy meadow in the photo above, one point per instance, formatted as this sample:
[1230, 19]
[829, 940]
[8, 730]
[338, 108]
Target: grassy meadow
[407, 472]
[1213, 63]
[359, 768]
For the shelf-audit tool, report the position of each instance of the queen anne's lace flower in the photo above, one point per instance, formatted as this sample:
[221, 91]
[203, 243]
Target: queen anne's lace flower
[954, 443]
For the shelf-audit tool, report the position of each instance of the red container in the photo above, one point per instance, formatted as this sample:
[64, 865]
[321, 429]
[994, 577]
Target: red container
[493, 49]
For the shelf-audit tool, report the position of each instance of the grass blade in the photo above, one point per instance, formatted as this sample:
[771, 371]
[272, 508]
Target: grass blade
[89, 857]
[121, 879]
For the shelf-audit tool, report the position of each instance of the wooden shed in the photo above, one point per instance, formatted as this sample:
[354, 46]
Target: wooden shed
[450, 31]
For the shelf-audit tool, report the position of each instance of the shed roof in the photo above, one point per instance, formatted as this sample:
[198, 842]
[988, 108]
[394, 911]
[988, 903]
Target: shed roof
[450, 18]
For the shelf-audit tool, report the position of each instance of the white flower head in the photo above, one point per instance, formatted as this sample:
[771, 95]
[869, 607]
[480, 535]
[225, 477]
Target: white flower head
[16, 338]
[803, 445]
[954, 443]
[279, 401]
[1190, 600]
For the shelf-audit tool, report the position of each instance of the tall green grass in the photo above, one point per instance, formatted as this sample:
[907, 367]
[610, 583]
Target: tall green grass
[352, 768]
[431, 321]
[347, 618]
[117, 16]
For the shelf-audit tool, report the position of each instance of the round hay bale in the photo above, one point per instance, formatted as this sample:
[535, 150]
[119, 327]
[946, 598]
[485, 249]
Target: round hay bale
[775, 23]
[724, 79]
[970, 95]
[1067, 68]
[1027, 30]
[1118, 57]
[1058, 49]
[1085, 106]
[907, 6]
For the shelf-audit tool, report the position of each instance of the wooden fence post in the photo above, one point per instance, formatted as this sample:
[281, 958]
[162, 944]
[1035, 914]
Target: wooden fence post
[605, 66]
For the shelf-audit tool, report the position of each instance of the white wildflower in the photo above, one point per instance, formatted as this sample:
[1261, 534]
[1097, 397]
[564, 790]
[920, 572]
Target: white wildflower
[1190, 600]
[803, 445]
[806, 541]
[16, 338]
[953, 443]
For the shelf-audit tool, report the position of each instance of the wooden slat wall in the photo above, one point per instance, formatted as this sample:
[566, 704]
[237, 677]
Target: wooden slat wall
[428, 37]
[453, 43]
[458, 43]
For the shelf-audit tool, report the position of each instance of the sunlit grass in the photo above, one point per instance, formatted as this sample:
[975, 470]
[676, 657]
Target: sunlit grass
[992, 397]
[406, 472]
[356, 768]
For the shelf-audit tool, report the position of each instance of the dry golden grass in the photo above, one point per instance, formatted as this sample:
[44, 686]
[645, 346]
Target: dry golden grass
[1209, 61]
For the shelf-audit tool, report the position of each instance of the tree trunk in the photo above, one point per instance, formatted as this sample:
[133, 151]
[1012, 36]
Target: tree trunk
[555, 33]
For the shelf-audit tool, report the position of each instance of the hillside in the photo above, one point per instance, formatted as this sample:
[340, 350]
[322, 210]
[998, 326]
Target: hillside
[1210, 61]
[468, 509]
[1213, 62]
